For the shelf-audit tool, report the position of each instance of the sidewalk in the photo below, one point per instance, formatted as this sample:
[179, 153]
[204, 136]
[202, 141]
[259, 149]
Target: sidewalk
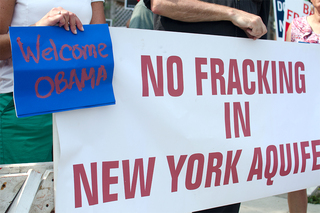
[274, 204]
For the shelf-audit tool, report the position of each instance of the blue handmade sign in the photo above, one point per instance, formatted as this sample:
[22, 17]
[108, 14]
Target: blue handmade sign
[55, 70]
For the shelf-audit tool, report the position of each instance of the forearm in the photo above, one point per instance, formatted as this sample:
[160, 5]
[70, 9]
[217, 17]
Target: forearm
[288, 37]
[192, 10]
[6, 13]
[199, 11]
[98, 16]
[5, 49]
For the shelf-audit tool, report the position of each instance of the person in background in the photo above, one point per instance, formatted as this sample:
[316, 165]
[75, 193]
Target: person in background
[25, 140]
[304, 29]
[142, 17]
[307, 28]
[241, 18]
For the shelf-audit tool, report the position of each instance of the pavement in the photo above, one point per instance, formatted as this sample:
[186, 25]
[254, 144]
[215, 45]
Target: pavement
[274, 204]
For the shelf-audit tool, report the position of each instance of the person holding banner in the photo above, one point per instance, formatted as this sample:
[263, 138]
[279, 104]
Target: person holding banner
[24, 140]
[241, 18]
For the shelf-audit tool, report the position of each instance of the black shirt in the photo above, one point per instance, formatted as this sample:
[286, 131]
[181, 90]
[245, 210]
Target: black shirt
[226, 28]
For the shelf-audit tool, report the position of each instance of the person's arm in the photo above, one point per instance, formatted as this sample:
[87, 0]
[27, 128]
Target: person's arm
[98, 16]
[6, 13]
[199, 11]
[288, 37]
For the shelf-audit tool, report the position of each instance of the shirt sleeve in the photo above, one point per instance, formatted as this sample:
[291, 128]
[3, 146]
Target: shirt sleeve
[142, 17]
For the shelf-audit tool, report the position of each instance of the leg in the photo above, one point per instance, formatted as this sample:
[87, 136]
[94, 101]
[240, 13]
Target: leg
[298, 201]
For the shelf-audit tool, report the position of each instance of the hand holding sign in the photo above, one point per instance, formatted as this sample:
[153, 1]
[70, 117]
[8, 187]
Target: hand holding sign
[61, 17]
[250, 23]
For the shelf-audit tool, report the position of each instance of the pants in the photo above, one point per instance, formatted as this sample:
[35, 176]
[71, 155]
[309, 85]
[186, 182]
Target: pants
[234, 208]
[23, 140]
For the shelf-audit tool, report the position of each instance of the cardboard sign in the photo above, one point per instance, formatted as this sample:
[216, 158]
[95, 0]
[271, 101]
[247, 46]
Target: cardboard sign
[55, 70]
[194, 123]
[279, 8]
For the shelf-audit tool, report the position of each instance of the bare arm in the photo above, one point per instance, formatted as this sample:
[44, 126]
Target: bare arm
[198, 11]
[6, 13]
[288, 37]
[98, 16]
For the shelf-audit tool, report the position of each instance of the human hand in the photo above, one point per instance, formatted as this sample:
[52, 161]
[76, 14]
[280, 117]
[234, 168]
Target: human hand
[61, 17]
[250, 23]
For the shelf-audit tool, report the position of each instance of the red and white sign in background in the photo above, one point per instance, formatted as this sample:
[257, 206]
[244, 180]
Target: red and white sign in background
[200, 121]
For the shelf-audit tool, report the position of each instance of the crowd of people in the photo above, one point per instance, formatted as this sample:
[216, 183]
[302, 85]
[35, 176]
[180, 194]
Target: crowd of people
[24, 140]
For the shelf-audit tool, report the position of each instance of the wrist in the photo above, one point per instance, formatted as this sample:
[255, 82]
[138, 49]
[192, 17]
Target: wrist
[231, 14]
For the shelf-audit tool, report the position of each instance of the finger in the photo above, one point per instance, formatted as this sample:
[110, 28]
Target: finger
[56, 14]
[57, 10]
[73, 23]
[79, 24]
[249, 34]
[259, 30]
[61, 21]
[66, 20]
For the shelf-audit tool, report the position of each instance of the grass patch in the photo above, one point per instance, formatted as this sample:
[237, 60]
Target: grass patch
[314, 200]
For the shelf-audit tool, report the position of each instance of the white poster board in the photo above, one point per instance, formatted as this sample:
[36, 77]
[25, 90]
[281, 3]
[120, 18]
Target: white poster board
[229, 115]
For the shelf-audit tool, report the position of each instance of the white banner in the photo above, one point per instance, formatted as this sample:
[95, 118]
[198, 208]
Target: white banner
[200, 121]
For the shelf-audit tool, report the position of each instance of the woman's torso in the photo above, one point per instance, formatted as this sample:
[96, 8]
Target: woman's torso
[301, 31]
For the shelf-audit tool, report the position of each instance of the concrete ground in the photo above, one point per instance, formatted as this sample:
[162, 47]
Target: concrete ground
[274, 204]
